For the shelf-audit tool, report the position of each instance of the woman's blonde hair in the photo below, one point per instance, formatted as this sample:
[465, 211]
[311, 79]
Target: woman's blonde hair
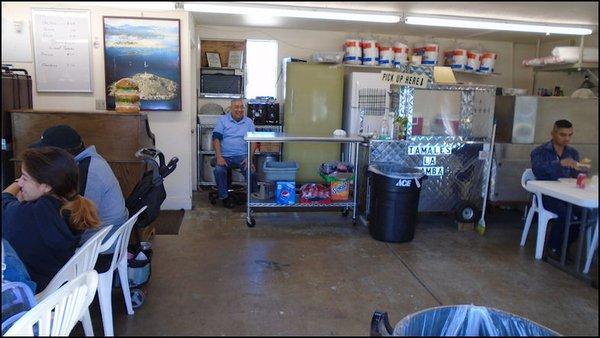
[57, 168]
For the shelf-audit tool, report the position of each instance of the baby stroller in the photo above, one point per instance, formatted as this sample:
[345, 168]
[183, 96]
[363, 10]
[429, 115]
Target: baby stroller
[149, 191]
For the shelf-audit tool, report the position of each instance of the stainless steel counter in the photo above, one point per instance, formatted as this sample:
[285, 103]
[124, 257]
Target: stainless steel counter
[351, 203]
[283, 137]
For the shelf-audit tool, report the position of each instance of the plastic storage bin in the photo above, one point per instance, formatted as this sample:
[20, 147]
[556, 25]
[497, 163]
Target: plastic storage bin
[280, 171]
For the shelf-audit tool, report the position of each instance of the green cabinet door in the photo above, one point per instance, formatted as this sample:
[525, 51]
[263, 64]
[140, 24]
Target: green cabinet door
[313, 107]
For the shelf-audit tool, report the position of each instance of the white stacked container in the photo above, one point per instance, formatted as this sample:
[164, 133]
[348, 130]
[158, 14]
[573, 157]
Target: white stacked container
[488, 61]
[386, 55]
[430, 54]
[370, 52]
[400, 53]
[473, 60]
[459, 59]
[353, 51]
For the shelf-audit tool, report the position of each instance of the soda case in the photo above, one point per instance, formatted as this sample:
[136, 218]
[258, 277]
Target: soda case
[285, 193]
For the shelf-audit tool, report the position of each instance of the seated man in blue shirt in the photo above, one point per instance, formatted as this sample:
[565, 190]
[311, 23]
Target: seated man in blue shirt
[551, 161]
[230, 147]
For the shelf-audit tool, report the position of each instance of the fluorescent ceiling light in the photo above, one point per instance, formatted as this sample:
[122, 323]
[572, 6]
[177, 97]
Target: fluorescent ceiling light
[494, 25]
[294, 12]
[150, 5]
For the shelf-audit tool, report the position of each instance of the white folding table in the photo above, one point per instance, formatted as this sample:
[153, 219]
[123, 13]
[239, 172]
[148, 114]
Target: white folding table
[565, 189]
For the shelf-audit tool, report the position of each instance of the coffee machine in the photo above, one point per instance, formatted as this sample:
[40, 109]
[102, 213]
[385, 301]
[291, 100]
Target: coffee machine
[264, 112]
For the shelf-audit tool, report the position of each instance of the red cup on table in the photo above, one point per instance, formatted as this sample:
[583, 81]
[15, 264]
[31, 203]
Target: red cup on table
[581, 178]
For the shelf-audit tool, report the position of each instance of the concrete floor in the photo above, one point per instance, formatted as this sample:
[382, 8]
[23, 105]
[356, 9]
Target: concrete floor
[316, 274]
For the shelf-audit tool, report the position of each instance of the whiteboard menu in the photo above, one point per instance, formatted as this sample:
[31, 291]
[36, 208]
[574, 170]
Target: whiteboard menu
[62, 50]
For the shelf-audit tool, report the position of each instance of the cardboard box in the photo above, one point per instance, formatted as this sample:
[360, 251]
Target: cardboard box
[270, 147]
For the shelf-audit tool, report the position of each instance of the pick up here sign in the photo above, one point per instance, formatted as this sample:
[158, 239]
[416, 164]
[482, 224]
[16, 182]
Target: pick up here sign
[404, 79]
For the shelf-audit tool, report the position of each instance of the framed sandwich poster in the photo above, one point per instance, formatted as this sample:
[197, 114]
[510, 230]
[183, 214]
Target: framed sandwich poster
[147, 51]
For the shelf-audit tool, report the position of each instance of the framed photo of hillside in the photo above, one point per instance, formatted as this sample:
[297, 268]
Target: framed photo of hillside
[148, 51]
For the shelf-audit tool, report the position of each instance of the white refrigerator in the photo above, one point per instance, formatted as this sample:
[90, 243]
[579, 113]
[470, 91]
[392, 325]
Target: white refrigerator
[366, 100]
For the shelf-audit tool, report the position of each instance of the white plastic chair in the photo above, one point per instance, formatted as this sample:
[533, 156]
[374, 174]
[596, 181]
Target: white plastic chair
[544, 216]
[58, 313]
[119, 263]
[82, 261]
[591, 249]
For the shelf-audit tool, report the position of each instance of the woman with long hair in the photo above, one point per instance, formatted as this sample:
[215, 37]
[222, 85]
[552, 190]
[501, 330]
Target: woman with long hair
[43, 215]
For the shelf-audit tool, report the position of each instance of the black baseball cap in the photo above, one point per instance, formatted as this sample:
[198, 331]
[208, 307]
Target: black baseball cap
[61, 136]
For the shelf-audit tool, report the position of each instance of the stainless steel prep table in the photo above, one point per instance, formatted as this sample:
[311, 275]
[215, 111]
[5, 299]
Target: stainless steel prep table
[283, 138]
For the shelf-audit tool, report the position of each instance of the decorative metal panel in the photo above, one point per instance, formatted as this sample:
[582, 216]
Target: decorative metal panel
[462, 179]
[463, 170]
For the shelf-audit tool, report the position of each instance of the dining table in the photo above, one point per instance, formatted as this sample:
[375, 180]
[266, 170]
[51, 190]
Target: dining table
[567, 190]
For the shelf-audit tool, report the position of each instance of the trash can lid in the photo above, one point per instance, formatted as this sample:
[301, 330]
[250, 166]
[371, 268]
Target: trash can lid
[394, 170]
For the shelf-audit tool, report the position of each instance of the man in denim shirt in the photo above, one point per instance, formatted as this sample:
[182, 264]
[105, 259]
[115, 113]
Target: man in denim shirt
[551, 161]
[230, 146]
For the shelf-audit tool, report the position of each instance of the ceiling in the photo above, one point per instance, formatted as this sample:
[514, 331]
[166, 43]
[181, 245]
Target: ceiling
[571, 13]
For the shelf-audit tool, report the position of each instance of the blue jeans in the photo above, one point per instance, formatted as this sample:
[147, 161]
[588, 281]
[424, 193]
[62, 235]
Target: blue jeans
[221, 174]
[15, 269]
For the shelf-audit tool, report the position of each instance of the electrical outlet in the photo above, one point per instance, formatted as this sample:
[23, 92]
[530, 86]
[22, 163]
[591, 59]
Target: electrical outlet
[100, 104]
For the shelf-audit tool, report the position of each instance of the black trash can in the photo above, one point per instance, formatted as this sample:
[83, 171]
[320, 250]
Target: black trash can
[394, 202]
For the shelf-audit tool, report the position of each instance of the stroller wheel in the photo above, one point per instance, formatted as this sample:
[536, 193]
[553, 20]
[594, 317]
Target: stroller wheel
[212, 200]
[137, 298]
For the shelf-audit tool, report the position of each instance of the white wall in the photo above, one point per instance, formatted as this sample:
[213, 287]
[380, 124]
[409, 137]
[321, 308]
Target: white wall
[172, 129]
[303, 43]
[523, 76]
